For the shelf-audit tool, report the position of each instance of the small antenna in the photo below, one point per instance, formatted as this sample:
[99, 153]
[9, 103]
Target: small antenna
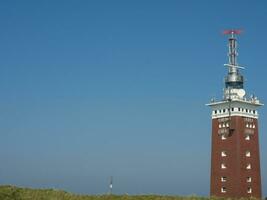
[111, 185]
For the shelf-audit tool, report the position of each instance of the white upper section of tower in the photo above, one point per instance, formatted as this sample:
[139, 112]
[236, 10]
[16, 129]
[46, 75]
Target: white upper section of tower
[235, 107]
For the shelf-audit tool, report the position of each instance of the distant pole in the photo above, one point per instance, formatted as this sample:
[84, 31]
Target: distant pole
[110, 185]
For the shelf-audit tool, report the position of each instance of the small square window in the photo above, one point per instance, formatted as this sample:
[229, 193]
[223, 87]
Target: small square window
[248, 154]
[223, 179]
[249, 190]
[223, 166]
[223, 189]
[247, 137]
[223, 154]
[223, 137]
[248, 166]
[249, 179]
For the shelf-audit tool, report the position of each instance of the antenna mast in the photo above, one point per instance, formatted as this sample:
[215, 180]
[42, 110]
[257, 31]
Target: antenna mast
[232, 47]
[110, 185]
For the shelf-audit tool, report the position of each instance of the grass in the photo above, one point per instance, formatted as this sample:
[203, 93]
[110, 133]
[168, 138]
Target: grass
[16, 193]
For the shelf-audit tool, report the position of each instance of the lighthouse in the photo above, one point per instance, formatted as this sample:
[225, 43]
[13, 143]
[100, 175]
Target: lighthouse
[235, 158]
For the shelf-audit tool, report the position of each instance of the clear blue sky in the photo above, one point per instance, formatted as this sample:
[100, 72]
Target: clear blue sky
[91, 89]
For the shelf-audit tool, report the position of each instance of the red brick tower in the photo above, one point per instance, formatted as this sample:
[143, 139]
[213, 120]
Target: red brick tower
[235, 159]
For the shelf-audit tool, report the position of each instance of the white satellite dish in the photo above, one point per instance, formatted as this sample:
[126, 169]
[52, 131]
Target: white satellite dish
[241, 93]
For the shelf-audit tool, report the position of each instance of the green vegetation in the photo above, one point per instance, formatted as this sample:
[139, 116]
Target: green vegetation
[15, 193]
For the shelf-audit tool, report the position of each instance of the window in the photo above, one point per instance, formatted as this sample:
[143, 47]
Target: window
[253, 126]
[247, 137]
[239, 109]
[223, 190]
[220, 125]
[223, 137]
[248, 166]
[223, 179]
[247, 125]
[223, 166]
[247, 153]
[249, 179]
[223, 154]
[249, 190]
[233, 109]
[227, 124]
[224, 110]
[250, 126]
[215, 111]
